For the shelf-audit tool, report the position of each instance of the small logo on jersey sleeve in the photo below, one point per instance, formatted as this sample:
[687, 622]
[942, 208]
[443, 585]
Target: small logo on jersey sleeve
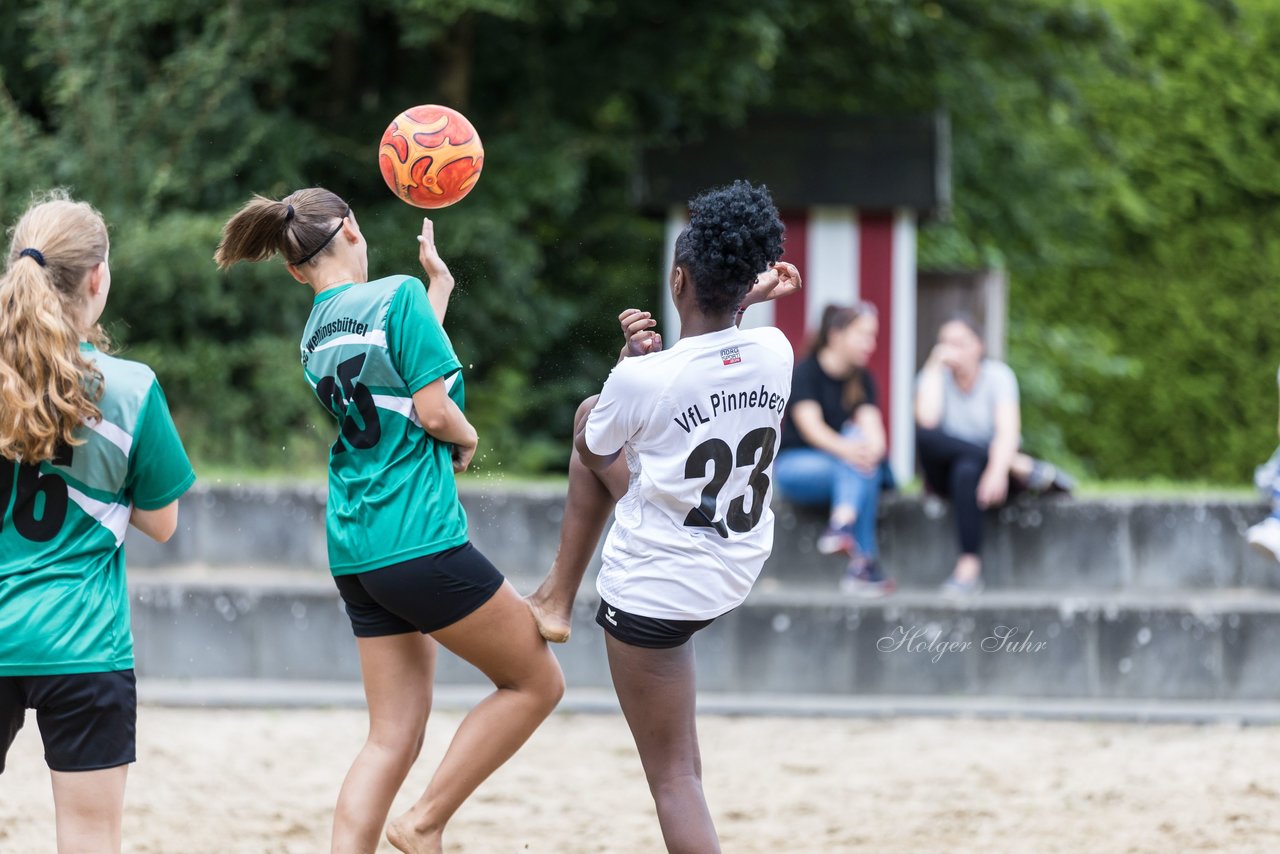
[730, 356]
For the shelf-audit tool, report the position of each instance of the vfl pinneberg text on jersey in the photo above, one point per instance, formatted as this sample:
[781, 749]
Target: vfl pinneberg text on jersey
[721, 402]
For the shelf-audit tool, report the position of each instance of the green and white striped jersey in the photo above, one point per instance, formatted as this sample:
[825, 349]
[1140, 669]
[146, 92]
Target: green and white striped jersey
[63, 603]
[366, 349]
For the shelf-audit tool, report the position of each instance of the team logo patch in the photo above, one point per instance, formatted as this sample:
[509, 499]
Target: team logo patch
[730, 356]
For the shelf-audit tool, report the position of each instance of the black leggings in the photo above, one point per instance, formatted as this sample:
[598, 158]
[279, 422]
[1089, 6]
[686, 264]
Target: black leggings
[952, 469]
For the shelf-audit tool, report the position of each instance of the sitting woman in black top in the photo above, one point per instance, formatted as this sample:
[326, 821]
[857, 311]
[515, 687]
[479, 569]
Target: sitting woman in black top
[833, 442]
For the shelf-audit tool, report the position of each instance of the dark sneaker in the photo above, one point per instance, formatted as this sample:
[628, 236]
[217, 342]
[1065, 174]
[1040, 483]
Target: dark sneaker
[865, 580]
[836, 541]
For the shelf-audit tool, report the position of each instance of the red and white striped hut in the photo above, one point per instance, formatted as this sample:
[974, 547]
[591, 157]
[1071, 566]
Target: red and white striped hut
[851, 191]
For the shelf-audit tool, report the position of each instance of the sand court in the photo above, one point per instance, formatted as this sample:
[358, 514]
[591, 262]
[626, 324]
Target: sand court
[265, 780]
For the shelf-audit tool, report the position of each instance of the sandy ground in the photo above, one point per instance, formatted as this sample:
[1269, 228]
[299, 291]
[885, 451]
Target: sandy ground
[264, 781]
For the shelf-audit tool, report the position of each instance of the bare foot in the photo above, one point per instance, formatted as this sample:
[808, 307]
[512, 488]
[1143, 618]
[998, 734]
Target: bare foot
[553, 627]
[403, 837]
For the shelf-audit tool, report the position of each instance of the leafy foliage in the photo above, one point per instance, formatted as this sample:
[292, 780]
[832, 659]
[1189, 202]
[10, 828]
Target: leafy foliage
[1117, 156]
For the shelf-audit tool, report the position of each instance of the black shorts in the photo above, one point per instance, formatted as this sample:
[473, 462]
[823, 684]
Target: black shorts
[420, 595]
[88, 721]
[648, 632]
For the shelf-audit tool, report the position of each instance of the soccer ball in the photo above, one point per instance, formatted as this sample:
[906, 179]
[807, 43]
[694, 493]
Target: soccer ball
[430, 156]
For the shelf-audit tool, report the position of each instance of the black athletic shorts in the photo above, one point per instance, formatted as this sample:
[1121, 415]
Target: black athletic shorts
[87, 721]
[419, 595]
[648, 632]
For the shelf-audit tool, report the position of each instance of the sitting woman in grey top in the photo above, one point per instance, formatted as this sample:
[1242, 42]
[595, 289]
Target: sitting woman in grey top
[968, 432]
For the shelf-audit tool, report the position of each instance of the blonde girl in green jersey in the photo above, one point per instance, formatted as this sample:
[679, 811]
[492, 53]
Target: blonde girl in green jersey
[87, 447]
[379, 361]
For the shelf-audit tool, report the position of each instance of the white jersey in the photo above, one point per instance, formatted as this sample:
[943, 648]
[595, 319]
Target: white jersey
[699, 426]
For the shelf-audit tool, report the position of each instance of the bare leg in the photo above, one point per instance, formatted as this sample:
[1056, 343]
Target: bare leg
[502, 640]
[88, 806]
[591, 498]
[397, 671]
[657, 690]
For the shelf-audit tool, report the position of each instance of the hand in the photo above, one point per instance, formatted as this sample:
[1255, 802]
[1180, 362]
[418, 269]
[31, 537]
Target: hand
[463, 453]
[637, 329]
[432, 264]
[941, 356]
[780, 280]
[861, 455]
[993, 488]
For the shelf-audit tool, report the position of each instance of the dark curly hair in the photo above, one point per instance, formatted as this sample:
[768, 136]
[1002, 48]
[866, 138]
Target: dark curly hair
[734, 234]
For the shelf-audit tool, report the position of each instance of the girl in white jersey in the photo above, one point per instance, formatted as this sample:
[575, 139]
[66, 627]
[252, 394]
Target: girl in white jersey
[683, 440]
[378, 358]
[87, 448]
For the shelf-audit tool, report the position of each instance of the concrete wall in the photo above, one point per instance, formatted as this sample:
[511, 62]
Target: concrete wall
[1094, 545]
[1111, 599]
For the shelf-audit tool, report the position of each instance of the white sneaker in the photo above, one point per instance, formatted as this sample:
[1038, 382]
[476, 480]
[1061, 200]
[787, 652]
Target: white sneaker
[1265, 537]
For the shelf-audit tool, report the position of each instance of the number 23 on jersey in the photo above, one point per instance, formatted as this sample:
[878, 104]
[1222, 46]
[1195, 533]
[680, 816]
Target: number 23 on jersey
[757, 447]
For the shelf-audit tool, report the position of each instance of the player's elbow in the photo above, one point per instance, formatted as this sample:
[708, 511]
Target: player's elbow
[435, 419]
[160, 525]
[927, 420]
[165, 534]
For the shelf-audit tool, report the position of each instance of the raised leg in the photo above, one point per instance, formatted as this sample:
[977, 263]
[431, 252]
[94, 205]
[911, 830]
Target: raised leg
[591, 498]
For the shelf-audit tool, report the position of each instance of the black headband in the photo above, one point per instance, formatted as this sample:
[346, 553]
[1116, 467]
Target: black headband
[34, 254]
[288, 214]
[314, 252]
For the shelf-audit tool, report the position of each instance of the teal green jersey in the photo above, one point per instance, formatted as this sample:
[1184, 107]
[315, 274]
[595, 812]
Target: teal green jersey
[366, 350]
[63, 603]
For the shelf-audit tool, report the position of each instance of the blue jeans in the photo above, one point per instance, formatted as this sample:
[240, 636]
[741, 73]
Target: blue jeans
[810, 476]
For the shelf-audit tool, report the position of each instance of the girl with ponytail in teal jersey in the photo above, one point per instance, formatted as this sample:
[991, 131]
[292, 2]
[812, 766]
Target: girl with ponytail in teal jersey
[378, 359]
[87, 448]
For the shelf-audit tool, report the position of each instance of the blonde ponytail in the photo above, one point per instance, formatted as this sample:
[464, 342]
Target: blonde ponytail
[47, 386]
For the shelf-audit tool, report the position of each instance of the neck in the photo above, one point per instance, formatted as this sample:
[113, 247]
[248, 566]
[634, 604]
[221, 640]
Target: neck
[696, 323]
[832, 364]
[332, 273]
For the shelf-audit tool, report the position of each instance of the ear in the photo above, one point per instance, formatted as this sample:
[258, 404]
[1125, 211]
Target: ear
[351, 231]
[293, 271]
[679, 280]
[95, 278]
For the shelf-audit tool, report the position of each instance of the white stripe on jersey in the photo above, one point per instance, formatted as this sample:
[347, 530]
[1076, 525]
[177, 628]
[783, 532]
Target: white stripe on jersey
[112, 433]
[403, 405]
[375, 338]
[114, 517]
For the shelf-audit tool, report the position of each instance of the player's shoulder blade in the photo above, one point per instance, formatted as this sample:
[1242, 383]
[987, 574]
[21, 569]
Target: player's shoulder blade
[125, 385]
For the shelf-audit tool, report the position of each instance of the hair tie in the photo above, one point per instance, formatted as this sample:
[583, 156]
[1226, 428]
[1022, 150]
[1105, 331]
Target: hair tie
[314, 252]
[34, 254]
[288, 214]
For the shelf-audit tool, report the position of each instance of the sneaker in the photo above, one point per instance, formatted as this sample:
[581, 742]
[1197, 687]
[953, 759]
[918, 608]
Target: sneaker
[1265, 537]
[865, 580]
[834, 541]
[957, 589]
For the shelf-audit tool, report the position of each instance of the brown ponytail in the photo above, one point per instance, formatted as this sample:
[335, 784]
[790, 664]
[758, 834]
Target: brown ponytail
[47, 386]
[299, 227]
